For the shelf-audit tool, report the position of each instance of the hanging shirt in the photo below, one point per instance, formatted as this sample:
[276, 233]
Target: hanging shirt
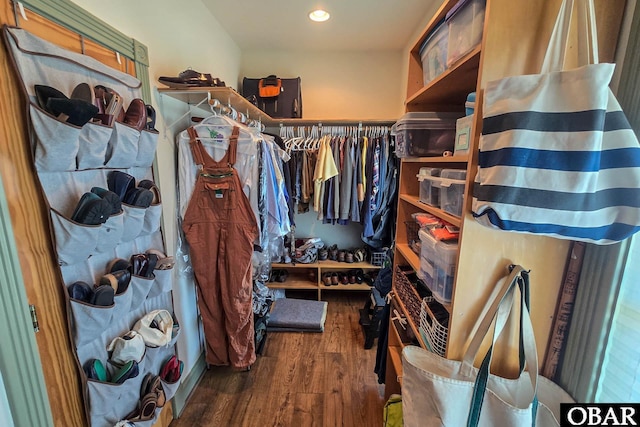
[325, 169]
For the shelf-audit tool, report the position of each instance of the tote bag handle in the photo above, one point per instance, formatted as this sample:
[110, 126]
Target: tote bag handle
[554, 59]
[498, 313]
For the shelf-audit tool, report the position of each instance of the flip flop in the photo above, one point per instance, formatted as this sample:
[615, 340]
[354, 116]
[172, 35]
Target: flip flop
[128, 370]
[145, 410]
[95, 370]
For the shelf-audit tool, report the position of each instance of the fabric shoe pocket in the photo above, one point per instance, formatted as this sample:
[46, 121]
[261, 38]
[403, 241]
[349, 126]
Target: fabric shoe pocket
[112, 402]
[110, 233]
[132, 222]
[123, 303]
[140, 288]
[151, 222]
[57, 142]
[147, 145]
[169, 388]
[89, 321]
[92, 149]
[122, 149]
[163, 282]
[157, 356]
[75, 242]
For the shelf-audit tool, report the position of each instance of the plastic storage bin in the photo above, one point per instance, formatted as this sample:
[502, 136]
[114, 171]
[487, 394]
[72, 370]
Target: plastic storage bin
[427, 259]
[433, 53]
[429, 193]
[465, 21]
[452, 190]
[444, 271]
[423, 134]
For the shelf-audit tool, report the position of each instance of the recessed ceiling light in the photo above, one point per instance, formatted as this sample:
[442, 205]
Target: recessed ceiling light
[319, 15]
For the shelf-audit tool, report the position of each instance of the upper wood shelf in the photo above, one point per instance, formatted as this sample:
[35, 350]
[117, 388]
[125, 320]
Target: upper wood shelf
[451, 87]
[229, 97]
[226, 95]
[464, 158]
[415, 201]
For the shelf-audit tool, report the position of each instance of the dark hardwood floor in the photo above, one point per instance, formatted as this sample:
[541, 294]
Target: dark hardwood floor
[301, 379]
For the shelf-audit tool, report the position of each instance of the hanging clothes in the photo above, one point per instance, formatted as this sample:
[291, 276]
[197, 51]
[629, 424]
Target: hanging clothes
[220, 228]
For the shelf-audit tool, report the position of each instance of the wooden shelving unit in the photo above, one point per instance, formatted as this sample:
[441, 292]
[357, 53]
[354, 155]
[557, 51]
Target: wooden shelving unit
[447, 92]
[299, 277]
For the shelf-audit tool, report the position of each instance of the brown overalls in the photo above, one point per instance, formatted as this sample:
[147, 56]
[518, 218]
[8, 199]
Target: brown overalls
[221, 228]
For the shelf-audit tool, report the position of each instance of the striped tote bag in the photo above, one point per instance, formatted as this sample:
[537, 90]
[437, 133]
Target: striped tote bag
[557, 154]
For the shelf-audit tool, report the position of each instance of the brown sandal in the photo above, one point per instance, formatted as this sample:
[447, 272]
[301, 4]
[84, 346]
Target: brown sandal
[146, 409]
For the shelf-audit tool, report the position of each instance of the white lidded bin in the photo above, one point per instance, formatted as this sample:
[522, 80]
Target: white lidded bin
[452, 190]
[428, 257]
[425, 134]
[429, 193]
[433, 53]
[466, 22]
[444, 270]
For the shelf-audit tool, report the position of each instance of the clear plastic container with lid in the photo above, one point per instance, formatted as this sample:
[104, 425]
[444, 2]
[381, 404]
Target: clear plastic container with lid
[433, 53]
[452, 190]
[425, 134]
[444, 271]
[428, 259]
[466, 22]
[429, 189]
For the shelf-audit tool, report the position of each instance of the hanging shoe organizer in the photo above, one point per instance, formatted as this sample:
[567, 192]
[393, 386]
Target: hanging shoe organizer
[69, 161]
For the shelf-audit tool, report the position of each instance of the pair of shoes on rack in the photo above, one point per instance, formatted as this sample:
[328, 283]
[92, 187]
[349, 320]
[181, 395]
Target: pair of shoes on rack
[74, 110]
[191, 78]
[111, 107]
[99, 295]
[95, 370]
[333, 253]
[355, 276]
[345, 256]
[124, 186]
[331, 278]
[118, 275]
[323, 253]
[278, 275]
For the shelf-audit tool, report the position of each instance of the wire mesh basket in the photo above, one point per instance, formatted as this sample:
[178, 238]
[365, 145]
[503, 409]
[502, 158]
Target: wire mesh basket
[412, 230]
[378, 257]
[434, 332]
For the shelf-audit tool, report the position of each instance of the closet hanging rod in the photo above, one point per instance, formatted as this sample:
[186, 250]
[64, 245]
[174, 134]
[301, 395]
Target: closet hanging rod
[334, 122]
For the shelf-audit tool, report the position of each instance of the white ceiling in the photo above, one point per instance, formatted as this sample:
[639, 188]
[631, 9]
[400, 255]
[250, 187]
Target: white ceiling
[355, 25]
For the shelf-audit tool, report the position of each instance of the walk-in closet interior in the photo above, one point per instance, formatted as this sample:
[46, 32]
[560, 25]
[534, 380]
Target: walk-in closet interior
[226, 214]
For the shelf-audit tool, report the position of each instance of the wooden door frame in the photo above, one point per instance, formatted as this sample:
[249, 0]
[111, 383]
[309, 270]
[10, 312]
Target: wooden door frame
[19, 356]
[22, 357]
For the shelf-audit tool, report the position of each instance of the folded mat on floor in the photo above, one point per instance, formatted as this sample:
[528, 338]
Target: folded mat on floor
[297, 315]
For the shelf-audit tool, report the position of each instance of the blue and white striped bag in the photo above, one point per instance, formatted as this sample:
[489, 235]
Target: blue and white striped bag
[557, 154]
